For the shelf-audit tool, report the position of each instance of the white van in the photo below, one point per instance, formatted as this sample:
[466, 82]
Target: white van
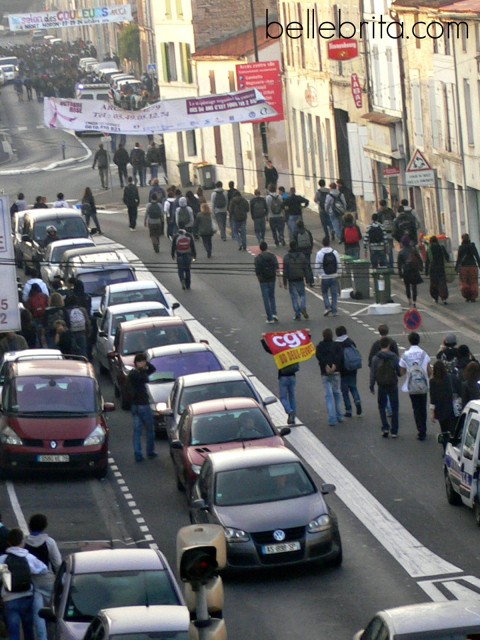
[93, 92]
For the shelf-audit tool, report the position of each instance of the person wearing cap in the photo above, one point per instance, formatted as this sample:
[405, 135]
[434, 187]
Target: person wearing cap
[51, 235]
[448, 352]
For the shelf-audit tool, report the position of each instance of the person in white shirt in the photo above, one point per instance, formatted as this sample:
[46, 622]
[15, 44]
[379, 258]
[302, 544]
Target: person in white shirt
[327, 266]
[60, 202]
[415, 362]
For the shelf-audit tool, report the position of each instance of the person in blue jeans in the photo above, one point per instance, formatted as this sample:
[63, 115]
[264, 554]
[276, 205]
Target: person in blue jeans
[286, 387]
[327, 267]
[384, 372]
[348, 379]
[330, 359]
[295, 270]
[142, 414]
[266, 268]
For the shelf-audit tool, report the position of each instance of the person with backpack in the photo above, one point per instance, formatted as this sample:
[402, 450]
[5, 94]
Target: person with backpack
[219, 206]
[121, 160]
[153, 159]
[448, 353]
[437, 257]
[37, 303]
[142, 415]
[184, 217]
[386, 217]
[304, 240]
[415, 362]
[79, 324]
[43, 547]
[445, 398]
[375, 242]
[266, 269]
[100, 159]
[348, 194]
[137, 160]
[28, 285]
[239, 208]
[169, 211]
[335, 206]
[468, 262]
[294, 206]
[4, 531]
[410, 266]
[405, 225]
[131, 199]
[276, 220]
[384, 372]
[351, 236]
[89, 209]
[154, 221]
[259, 213]
[351, 363]
[295, 271]
[183, 248]
[329, 355]
[18, 600]
[203, 228]
[231, 193]
[55, 311]
[320, 199]
[64, 340]
[327, 267]
[158, 191]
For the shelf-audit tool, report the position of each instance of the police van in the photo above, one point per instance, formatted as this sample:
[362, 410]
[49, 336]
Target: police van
[462, 462]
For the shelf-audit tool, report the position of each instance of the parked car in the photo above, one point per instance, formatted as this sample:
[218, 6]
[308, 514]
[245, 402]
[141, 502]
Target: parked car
[50, 265]
[53, 417]
[138, 291]
[114, 316]
[26, 354]
[17, 232]
[271, 510]
[439, 620]
[89, 581]
[140, 335]
[84, 61]
[219, 425]
[172, 362]
[163, 622]
[213, 385]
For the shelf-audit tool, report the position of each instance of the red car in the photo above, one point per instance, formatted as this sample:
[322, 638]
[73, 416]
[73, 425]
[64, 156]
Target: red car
[218, 425]
[53, 417]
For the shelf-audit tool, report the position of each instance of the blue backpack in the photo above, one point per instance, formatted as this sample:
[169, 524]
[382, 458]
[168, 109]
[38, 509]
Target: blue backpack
[352, 360]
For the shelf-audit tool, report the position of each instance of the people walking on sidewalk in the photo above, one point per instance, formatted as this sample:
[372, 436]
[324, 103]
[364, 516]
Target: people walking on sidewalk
[437, 256]
[327, 263]
[231, 193]
[219, 203]
[121, 160]
[275, 205]
[304, 240]
[468, 262]
[329, 355]
[294, 206]
[351, 363]
[131, 199]
[386, 217]
[183, 248]
[383, 331]
[410, 266]
[266, 269]
[271, 174]
[142, 415]
[259, 213]
[184, 217]
[169, 207]
[153, 159]
[375, 242]
[89, 209]
[203, 228]
[351, 236]
[239, 208]
[384, 372]
[155, 222]
[100, 159]
[295, 272]
[415, 362]
[336, 207]
[320, 199]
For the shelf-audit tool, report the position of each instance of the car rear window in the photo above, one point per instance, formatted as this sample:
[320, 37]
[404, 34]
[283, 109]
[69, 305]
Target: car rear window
[230, 426]
[134, 315]
[52, 394]
[58, 252]
[215, 390]
[91, 592]
[169, 368]
[139, 295]
[148, 338]
[96, 281]
[71, 227]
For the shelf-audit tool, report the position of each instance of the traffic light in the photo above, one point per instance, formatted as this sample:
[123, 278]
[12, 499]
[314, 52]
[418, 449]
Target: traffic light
[199, 564]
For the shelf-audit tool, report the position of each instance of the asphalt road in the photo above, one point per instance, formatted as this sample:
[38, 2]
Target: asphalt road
[383, 566]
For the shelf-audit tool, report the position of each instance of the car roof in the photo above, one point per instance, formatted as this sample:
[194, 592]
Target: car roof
[11, 356]
[194, 379]
[53, 367]
[72, 241]
[251, 457]
[174, 349]
[223, 404]
[432, 616]
[128, 286]
[117, 559]
[145, 323]
[80, 251]
[130, 307]
[139, 619]
[54, 212]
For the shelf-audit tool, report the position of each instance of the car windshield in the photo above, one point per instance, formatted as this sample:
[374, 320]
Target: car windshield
[52, 394]
[266, 483]
[71, 227]
[169, 368]
[91, 592]
[148, 338]
[151, 635]
[214, 391]
[228, 426]
[139, 295]
[96, 281]
[133, 315]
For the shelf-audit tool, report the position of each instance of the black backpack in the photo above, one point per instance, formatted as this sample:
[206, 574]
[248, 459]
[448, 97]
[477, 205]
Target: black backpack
[268, 267]
[259, 209]
[21, 574]
[276, 205]
[322, 196]
[375, 235]
[155, 211]
[329, 263]
[220, 200]
[385, 374]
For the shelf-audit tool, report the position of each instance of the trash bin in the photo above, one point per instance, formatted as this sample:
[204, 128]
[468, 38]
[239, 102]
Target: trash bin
[361, 278]
[382, 284]
[346, 272]
[184, 170]
[206, 176]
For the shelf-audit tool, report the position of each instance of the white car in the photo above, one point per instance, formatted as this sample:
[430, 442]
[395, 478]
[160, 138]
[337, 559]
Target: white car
[116, 314]
[156, 621]
[54, 253]
[138, 291]
[8, 72]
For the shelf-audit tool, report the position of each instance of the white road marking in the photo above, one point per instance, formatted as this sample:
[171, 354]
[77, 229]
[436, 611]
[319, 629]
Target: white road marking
[459, 588]
[17, 509]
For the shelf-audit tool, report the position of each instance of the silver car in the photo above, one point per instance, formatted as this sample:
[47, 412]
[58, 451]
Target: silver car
[88, 581]
[138, 291]
[54, 252]
[271, 510]
[140, 623]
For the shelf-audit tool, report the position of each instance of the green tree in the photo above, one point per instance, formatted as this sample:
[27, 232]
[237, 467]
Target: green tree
[129, 43]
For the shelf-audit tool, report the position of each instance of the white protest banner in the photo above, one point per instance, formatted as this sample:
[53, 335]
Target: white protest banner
[9, 310]
[70, 18]
[179, 114]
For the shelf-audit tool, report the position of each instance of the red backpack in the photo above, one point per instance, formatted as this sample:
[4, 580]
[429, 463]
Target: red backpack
[351, 235]
[37, 304]
[183, 244]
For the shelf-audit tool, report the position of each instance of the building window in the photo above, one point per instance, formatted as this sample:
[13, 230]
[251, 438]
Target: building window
[211, 78]
[217, 136]
[306, 169]
[318, 38]
[468, 111]
[179, 8]
[417, 114]
[191, 143]
[231, 81]
[169, 64]
[168, 9]
[186, 63]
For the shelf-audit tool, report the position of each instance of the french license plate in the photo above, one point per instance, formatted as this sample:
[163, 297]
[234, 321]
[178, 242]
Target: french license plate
[52, 458]
[284, 547]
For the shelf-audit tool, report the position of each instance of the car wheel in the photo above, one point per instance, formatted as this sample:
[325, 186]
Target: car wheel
[476, 512]
[452, 497]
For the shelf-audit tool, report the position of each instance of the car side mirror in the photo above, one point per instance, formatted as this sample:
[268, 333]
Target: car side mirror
[327, 488]
[269, 400]
[234, 367]
[175, 305]
[204, 341]
[47, 614]
[108, 407]
[284, 431]
[176, 444]
[200, 504]
[111, 355]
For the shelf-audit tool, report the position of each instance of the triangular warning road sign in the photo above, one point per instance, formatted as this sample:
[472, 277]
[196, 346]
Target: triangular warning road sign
[418, 163]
